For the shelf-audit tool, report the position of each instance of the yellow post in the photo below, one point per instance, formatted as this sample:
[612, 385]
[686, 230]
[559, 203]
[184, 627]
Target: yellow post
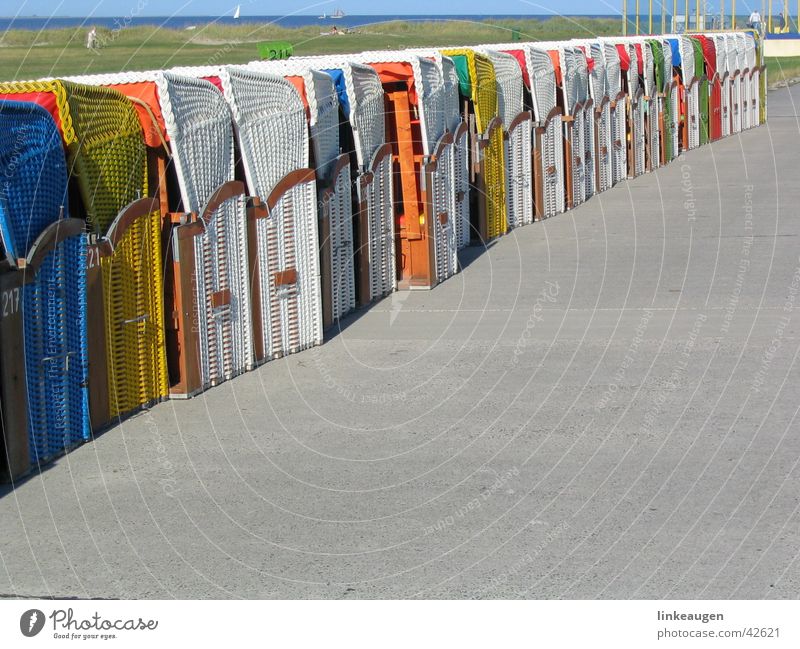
[637, 17]
[674, 13]
[686, 17]
[697, 15]
[664, 16]
[733, 14]
[650, 18]
[624, 17]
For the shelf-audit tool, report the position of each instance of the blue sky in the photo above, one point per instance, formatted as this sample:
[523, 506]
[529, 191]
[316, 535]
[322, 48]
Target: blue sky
[260, 7]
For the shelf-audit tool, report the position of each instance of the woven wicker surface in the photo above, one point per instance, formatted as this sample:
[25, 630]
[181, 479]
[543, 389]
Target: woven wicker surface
[134, 319]
[598, 86]
[582, 65]
[452, 100]
[271, 126]
[482, 83]
[570, 76]
[543, 82]
[105, 147]
[55, 352]
[361, 99]
[323, 109]
[33, 172]
[140, 89]
[495, 182]
[198, 122]
[426, 88]
[508, 75]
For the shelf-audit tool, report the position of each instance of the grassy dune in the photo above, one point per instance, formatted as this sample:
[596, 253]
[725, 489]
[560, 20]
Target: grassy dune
[30, 55]
[783, 70]
[58, 52]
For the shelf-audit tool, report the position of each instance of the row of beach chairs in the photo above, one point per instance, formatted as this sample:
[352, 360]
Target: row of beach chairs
[162, 232]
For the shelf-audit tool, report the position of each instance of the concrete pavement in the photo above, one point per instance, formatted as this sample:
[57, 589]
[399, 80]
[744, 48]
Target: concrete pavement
[600, 405]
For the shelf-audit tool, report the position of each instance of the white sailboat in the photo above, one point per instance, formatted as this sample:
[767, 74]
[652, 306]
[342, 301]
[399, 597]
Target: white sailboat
[323, 16]
[238, 12]
[338, 14]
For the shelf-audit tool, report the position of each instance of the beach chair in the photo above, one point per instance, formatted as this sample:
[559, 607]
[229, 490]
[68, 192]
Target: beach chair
[619, 111]
[334, 185]
[760, 75]
[684, 71]
[672, 104]
[208, 314]
[361, 101]
[547, 167]
[424, 159]
[714, 81]
[601, 102]
[747, 56]
[638, 112]
[478, 87]
[517, 127]
[106, 154]
[566, 65]
[209, 294]
[660, 121]
[734, 73]
[754, 82]
[743, 79]
[272, 135]
[333, 177]
[721, 86]
[43, 362]
[702, 87]
[457, 126]
[652, 103]
[587, 116]
[636, 138]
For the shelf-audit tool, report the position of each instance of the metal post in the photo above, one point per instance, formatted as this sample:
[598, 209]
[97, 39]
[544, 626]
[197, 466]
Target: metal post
[664, 16]
[733, 14]
[674, 13]
[650, 18]
[637, 17]
[686, 17]
[624, 17]
[722, 14]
